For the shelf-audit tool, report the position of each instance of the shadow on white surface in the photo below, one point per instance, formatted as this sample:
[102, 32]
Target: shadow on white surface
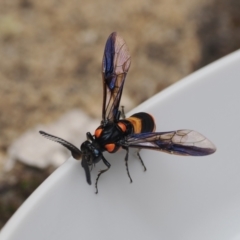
[182, 198]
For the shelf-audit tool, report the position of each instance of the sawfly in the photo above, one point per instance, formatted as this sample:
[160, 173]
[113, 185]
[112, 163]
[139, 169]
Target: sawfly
[137, 131]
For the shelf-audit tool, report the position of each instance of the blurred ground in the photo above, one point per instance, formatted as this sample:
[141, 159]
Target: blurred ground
[51, 52]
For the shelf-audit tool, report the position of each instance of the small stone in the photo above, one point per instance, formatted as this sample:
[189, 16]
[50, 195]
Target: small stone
[34, 150]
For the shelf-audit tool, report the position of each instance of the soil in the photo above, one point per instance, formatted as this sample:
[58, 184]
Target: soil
[51, 53]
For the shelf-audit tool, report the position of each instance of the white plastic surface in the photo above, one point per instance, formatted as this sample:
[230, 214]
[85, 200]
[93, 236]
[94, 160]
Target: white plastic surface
[181, 198]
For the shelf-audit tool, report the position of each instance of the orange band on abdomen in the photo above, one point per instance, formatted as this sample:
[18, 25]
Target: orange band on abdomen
[136, 123]
[142, 122]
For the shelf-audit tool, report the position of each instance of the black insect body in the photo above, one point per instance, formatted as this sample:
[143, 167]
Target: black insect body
[137, 131]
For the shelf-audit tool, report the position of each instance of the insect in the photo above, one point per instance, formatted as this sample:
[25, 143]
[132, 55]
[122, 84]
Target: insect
[137, 131]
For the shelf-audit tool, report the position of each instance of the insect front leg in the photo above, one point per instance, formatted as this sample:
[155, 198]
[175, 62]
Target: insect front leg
[102, 171]
[138, 154]
[126, 163]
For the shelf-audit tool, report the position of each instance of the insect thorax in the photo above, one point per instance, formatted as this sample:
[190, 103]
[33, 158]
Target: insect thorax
[108, 136]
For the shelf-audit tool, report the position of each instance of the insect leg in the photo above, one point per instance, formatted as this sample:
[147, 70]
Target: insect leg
[126, 164]
[101, 172]
[123, 113]
[138, 154]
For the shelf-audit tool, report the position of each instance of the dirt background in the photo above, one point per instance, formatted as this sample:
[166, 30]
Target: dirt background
[51, 52]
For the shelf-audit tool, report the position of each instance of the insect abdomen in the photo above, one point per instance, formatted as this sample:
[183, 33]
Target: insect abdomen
[142, 122]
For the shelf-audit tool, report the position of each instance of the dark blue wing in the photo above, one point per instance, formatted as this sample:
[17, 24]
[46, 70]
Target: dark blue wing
[180, 142]
[115, 65]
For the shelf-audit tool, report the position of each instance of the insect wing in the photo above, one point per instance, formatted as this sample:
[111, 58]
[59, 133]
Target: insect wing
[115, 65]
[180, 142]
[76, 153]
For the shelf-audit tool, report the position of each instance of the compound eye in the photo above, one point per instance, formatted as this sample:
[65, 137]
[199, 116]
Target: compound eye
[98, 132]
[96, 152]
[110, 147]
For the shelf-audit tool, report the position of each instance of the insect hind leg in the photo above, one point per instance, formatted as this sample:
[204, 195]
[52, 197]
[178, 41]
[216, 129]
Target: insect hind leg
[139, 157]
[126, 164]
